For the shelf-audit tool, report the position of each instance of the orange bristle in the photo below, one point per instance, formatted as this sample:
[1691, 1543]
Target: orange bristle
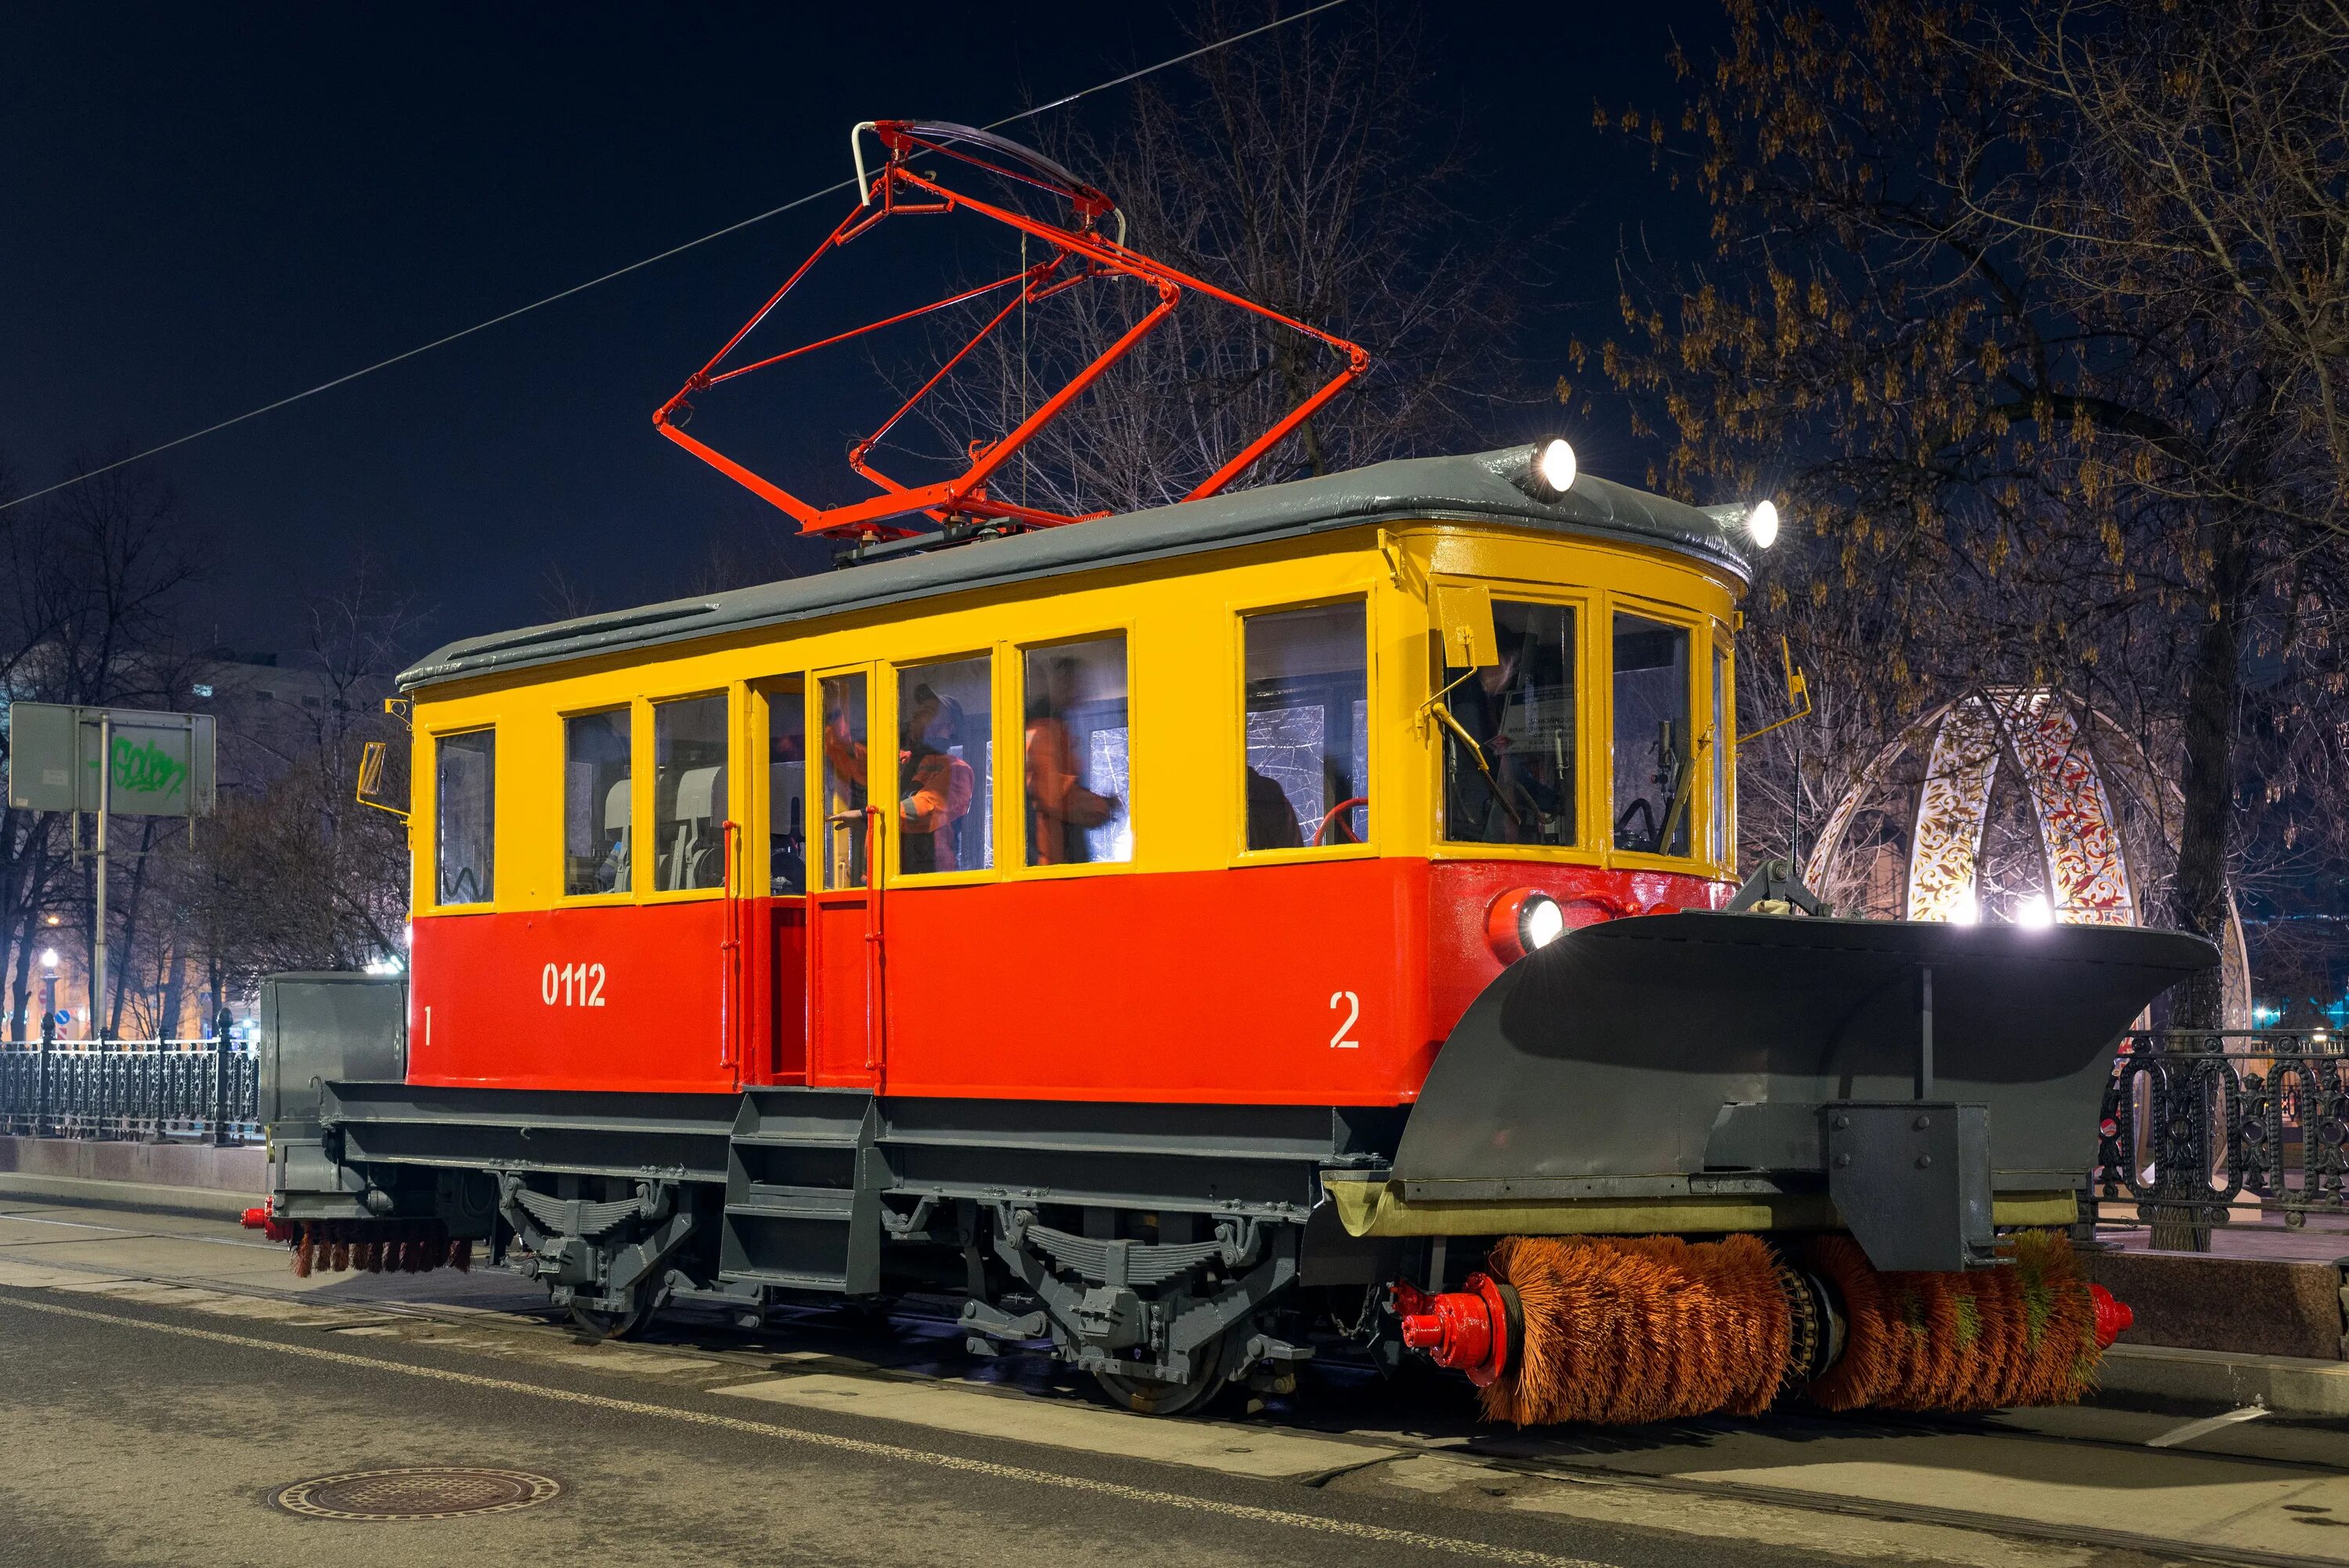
[1627, 1331]
[1623, 1331]
[2021, 1333]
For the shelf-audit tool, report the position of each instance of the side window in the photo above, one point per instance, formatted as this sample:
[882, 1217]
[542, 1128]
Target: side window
[1653, 764]
[1723, 737]
[1307, 773]
[464, 792]
[945, 723]
[844, 822]
[596, 824]
[1076, 754]
[689, 793]
[787, 789]
[1516, 785]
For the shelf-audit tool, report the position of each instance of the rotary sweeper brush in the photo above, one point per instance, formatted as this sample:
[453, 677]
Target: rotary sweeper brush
[1716, 1075]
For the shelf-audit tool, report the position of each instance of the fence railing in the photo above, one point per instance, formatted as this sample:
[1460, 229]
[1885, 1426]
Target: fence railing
[130, 1090]
[2197, 1122]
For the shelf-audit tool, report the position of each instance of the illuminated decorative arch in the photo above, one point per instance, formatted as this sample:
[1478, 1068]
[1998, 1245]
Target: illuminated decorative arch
[2037, 731]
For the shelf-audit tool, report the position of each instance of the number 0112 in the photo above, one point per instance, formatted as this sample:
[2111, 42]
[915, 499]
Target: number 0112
[572, 985]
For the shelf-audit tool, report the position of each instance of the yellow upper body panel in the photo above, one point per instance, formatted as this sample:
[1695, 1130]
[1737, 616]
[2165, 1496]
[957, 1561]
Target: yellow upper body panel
[1183, 621]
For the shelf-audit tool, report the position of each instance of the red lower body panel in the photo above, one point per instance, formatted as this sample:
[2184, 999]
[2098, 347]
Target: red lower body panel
[618, 997]
[1329, 983]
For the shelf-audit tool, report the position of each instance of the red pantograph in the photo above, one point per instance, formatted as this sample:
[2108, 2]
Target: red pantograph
[1078, 252]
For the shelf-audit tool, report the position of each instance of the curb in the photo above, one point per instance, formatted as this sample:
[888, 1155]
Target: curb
[2285, 1385]
[137, 1196]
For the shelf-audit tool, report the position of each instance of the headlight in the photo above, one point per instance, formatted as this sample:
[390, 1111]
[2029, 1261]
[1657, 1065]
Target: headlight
[1521, 921]
[1761, 524]
[1554, 466]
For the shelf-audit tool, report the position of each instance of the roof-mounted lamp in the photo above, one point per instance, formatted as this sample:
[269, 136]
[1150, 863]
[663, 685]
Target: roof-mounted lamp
[1554, 467]
[1758, 522]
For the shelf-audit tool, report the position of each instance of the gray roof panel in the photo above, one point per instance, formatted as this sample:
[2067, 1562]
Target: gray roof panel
[1487, 487]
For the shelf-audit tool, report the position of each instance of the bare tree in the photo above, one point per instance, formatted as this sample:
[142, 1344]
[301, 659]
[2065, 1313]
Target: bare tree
[1301, 173]
[296, 873]
[90, 583]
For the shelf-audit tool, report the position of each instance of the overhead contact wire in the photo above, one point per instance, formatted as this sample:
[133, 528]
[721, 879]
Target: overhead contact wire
[831, 190]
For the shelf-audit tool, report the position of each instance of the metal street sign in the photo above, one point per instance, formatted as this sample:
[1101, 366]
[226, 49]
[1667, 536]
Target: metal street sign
[156, 764]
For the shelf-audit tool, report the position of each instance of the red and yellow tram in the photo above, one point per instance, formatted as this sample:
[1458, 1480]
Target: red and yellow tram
[1192, 938]
[1126, 929]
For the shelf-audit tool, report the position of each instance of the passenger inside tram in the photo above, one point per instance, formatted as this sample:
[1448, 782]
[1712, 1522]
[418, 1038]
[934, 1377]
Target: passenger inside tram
[1075, 746]
[843, 781]
[938, 784]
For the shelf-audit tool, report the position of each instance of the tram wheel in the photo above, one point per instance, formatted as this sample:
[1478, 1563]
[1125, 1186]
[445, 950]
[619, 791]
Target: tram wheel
[597, 1323]
[1152, 1396]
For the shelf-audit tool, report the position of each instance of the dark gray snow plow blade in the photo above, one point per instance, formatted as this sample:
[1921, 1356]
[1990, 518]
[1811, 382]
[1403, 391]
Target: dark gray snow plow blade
[1789, 1061]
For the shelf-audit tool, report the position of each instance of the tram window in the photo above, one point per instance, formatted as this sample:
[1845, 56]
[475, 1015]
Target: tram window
[689, 793]
[596, 841]
[1307, 773]
[1718, 749]
[844, 822]
[464, 791]
[945, 757]
[1521, 712]
[1653, 767]
[1076, 771]
[787, 790]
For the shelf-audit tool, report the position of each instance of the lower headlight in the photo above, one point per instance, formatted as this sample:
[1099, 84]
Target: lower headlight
[1522, 921]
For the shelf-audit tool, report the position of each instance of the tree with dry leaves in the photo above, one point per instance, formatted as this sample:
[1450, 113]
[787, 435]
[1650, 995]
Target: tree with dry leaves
[2020, 446]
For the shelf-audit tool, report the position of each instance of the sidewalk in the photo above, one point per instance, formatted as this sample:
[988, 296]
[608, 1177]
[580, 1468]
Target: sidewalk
[169, 1178]
[2247, 1234]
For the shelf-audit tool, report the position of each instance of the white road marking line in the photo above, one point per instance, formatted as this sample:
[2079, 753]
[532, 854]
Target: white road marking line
[868, 1447]
[2208, 1424]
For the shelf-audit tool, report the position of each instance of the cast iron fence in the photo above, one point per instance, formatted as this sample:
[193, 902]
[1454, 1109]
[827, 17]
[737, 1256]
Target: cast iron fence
[2195, 1122]
[130, 1090]
[2198, 1120]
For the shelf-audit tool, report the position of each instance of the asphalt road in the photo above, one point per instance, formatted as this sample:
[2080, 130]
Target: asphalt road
[162, 1379]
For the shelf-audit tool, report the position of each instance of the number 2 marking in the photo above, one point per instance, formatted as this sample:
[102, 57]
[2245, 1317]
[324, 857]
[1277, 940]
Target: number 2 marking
[1338, 1042]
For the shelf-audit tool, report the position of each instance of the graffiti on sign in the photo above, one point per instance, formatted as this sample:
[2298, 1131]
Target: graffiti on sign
[144, 768]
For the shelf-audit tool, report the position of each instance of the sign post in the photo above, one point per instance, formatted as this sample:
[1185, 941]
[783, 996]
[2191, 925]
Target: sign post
[134, 762]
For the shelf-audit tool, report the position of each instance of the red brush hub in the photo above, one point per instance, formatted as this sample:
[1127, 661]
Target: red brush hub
[263, 1219]
[2113, 1316]
[1474, 1330]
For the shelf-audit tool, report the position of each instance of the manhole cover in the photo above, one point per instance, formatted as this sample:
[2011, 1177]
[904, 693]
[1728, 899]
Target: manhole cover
[434, 1491]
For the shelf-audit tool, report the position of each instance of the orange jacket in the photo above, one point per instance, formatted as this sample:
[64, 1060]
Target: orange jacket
[1060, 807]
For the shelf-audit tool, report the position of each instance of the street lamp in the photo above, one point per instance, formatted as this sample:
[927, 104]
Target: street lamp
[48, 993]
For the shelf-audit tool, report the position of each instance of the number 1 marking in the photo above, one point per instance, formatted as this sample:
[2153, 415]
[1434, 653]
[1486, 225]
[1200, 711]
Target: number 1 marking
[1338, 1042]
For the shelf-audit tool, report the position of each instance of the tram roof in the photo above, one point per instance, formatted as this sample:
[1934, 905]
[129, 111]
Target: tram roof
[1485, 487]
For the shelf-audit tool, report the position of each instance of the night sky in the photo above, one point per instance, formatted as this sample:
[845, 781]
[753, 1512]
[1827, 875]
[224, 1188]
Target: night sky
[202, 208]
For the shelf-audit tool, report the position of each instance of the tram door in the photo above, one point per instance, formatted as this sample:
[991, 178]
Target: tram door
[774, 924]
[843, 908]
